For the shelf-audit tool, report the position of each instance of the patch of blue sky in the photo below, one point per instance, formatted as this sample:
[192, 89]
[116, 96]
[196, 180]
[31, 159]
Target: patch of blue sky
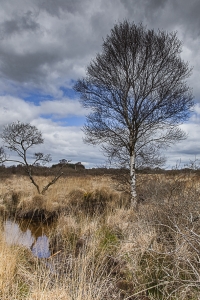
[36, 98]
[68, 121]
[68, 92]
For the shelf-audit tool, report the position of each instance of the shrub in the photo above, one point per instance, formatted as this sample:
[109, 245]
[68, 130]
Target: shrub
[11, 201]
[93, 202]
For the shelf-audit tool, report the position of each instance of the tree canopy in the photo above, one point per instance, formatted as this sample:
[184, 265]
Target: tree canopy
[137, 94]
[19, 137]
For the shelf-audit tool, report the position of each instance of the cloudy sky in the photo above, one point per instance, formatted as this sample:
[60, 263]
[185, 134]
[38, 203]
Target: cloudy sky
[45, 46]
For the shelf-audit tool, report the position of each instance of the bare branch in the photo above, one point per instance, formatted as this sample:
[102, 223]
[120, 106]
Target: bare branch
[41, 157]
[20, 137]
[137, 93]
[59, 174]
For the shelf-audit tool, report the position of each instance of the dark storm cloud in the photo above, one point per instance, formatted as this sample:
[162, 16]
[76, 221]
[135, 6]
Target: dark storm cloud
[25, 67]
[56, 8]
[41, 38]
[166, 14]
[18, 24]
[190, 152]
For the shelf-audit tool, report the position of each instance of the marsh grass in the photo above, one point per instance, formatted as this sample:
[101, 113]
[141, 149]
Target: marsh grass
[103, 250]
[16, 267]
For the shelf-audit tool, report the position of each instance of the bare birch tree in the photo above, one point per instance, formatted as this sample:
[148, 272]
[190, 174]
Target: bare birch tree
[19, 138]
[3, 155]
[137, 94]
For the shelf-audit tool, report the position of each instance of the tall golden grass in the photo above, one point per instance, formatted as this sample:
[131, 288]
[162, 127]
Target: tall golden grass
[102, 249]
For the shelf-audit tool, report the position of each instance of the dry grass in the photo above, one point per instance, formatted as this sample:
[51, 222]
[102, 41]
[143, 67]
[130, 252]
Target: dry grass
[16, 267]
[19, 192]
[8, 261]
[104, 250]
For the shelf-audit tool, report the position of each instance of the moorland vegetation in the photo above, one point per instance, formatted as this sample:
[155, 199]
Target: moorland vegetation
[100, 247]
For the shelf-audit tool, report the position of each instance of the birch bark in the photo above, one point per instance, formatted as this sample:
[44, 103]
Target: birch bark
[133, 181]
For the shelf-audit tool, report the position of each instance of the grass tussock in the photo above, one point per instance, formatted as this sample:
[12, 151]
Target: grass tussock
[16, 267]
[20, 198]
[103, 250]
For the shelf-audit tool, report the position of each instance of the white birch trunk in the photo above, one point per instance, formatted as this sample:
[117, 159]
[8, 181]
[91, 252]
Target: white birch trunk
[133, 182]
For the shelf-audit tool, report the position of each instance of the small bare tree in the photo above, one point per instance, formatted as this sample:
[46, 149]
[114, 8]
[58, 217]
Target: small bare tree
[137, 94]
[19, 138]
[64, 161]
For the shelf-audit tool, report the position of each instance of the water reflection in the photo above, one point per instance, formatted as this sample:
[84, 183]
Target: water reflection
[33, 236]
[41, 247]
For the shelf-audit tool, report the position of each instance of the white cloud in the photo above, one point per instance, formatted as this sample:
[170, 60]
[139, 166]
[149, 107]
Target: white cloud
[62, 108]
[189, 149]
[14, 109]
[60, 141]
[47, 44]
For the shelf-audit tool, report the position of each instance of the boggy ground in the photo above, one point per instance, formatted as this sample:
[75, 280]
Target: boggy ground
[102, 249]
